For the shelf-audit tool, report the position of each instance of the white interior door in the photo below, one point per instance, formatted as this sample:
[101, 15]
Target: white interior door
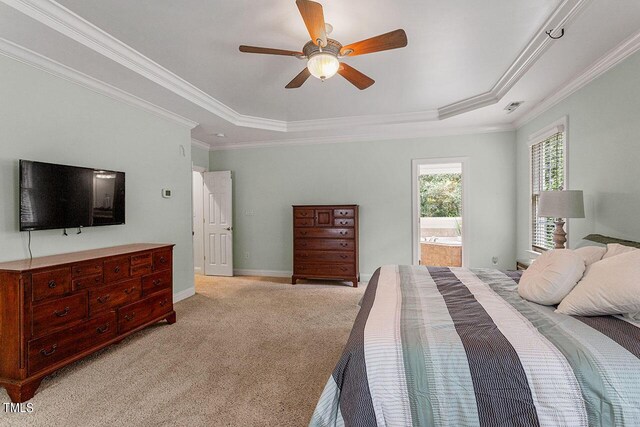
[198, 223]
[218, 224]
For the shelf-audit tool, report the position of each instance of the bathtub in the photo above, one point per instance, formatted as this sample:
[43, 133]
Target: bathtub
[441, 251]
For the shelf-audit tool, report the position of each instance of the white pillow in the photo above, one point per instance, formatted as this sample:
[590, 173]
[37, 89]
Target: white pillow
[614, 249]
[551, 277]
[612, 286]
[591, 254]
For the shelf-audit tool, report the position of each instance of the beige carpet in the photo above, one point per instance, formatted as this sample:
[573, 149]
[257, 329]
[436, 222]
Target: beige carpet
[245, 352]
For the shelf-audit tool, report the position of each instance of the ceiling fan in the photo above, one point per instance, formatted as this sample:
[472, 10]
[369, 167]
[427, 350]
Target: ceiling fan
[323, 54]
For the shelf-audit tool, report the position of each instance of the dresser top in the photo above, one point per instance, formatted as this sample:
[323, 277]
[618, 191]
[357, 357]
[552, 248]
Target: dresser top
[73, 257]
[324, 206]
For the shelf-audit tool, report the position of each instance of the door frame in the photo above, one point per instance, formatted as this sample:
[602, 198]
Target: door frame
[199, 269]
[415, 205]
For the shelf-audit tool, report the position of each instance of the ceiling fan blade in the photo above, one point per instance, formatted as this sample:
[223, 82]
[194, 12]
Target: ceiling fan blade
[269, 51]
[299, 79]
[392, 40]
[314, 20]
[354, 76]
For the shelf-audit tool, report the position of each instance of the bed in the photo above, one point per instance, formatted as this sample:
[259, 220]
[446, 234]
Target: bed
[434, 346]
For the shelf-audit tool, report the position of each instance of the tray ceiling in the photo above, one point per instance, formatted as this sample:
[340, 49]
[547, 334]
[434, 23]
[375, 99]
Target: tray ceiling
[457, 50]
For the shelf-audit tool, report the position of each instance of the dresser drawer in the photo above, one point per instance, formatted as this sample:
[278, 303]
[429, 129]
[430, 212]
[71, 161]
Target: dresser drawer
[140, 270]
[344, 222]
[133, 315]
[86, 282]
[89, 268]
[329, 270]
[51, 315]
[110, 297]
[343, 213]
[324, 257]
[51, 283]
[303, 213]
[329, 233]
[139, 259]
[303, 222]
[162, 260]
[325, 244]
[117, 269]
[46, 351]
[156, 282]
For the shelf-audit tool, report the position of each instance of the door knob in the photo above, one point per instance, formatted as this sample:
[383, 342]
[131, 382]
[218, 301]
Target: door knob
[229, 228]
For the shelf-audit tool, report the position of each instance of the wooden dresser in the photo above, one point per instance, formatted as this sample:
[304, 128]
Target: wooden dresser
[325, 243]
[55, 310]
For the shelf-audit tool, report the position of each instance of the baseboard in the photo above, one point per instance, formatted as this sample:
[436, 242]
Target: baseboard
[184, 294]
[266, 273]
[280, 273]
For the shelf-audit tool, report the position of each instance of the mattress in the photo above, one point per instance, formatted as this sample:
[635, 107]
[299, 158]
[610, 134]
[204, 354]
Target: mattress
[434, 346]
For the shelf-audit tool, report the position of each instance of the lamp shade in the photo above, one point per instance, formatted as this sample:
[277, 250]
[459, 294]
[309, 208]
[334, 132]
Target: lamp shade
[561, 204]
[323, 65]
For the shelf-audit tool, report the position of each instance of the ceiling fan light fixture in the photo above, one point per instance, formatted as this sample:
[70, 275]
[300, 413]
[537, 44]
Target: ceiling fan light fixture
[323, 65]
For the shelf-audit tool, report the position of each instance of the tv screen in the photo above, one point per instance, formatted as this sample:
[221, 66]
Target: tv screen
[59, 196]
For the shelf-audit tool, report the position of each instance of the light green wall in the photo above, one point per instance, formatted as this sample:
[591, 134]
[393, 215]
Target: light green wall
[200, 157]
[49, 119]
[604, 155]
[377, 176]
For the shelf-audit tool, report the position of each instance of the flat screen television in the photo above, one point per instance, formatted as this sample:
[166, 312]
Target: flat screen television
[59, 196]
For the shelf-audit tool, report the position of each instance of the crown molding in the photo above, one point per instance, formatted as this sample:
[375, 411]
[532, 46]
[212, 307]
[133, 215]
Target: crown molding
[561, 16]
[598, 68]
[425, 133]
[36, 60]
[200, 144]
[65, 21]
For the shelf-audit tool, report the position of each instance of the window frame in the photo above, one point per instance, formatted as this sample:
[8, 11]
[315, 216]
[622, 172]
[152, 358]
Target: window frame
[560, 125]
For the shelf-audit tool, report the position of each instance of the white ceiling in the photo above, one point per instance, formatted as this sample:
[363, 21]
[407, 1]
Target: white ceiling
[457, 50]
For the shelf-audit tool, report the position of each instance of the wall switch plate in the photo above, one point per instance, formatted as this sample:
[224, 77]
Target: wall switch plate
[250, 213]
[166, 193]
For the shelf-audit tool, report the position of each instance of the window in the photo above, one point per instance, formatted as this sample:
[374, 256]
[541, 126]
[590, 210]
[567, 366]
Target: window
[548, 166]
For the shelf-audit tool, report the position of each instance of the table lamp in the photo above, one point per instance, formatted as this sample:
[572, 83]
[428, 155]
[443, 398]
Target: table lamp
[561, 204]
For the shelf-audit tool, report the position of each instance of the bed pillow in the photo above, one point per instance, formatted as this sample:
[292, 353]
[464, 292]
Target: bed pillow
[591, 254]
[614, 249]
[612, 286]
[551, 277]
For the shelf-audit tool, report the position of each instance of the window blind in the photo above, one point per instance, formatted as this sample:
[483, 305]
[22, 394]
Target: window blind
[547, 173]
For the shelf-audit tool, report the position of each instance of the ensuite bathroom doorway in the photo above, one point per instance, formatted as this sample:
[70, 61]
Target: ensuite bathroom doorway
[439, 212]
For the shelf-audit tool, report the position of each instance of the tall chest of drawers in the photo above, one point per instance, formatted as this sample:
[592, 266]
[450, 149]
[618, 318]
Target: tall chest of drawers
[325, 242]
[58, 309]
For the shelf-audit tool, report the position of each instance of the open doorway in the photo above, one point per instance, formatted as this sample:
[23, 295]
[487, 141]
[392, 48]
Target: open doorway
[439, 212]
[198, 220]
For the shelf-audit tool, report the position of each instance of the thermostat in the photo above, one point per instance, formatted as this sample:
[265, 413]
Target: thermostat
[166, 193]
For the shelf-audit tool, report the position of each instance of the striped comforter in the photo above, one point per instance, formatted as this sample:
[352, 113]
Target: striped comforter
[437, 346]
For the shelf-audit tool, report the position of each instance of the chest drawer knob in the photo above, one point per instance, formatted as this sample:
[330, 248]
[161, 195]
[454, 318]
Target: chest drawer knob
[164, 302]
[62, 313]
[117, 269]
[130, 317]
[344, 245]
[343, 233]
[129, 290]
[102, 329]
[157, 282]
[52, 284]
[163, 260]
[304, 233]
[104, 298]
[343, 256]
[46, 352]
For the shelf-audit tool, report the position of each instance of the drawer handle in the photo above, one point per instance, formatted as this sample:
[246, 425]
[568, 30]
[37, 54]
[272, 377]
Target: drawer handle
[343, 233]
[304, 255]
[157, 282]
[102, 329]
[62, 313]
[46, 353]
[129, 317]
[343, 213]
[78, 270]
[98, 279]
[117, 269]
[163, 302]
[52, 284]
[128, 291]
[303, 213]
[163, 260]
[344, 245]
[303, 244]
[343, 268]
[104, 298]
[343, 222]
[304, 233]
[343, 256]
